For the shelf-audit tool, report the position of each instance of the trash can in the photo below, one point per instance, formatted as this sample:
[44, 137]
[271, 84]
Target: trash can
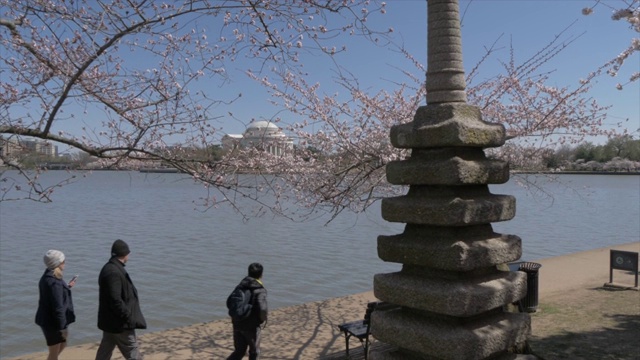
[530, 301]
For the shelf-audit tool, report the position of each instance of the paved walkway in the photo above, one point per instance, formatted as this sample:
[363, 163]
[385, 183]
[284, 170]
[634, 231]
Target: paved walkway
[588, 268]
[309, 331]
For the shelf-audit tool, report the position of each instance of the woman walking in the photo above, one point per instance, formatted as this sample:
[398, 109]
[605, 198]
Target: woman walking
[55, 306]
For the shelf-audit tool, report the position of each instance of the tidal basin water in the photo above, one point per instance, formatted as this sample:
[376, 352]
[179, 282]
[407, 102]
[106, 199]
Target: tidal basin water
[185, 261]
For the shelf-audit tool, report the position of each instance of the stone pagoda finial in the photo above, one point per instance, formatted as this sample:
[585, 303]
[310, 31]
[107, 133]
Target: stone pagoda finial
[445, 71]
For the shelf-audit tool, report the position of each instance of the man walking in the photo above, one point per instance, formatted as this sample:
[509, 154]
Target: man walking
[246, 332]
[119, 308]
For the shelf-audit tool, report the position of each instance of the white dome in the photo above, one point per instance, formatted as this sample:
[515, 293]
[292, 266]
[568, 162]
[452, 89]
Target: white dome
[262, 125]
[264, 135]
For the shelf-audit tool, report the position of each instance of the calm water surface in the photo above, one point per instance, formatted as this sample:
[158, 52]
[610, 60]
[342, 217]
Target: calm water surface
[184, 261]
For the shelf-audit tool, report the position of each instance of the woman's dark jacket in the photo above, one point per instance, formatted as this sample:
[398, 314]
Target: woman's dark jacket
[118, 308]
[259, 311]
[55, 306]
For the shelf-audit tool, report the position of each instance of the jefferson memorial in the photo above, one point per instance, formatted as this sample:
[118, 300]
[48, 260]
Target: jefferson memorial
[262, 135]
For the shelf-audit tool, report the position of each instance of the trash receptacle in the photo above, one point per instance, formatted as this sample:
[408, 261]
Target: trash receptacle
[530, 301]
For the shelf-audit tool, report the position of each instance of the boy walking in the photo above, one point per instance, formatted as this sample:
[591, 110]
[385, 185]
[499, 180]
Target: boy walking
[246, 332]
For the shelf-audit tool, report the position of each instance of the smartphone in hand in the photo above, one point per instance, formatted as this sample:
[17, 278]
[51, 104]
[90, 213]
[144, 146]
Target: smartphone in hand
[73, 280]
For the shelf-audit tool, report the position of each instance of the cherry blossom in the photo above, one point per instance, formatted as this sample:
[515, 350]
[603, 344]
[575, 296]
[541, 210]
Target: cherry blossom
[139, 65]
[630, 12]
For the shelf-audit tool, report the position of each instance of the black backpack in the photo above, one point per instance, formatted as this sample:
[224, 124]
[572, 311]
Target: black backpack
[239, 303]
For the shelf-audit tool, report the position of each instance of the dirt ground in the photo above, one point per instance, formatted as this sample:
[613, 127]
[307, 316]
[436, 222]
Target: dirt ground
[597, 323]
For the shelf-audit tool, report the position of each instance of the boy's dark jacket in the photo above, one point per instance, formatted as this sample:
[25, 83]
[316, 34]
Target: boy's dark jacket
[259, 312]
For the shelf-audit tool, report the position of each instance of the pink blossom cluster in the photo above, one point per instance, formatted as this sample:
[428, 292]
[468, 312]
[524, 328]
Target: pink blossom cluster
[630, 12]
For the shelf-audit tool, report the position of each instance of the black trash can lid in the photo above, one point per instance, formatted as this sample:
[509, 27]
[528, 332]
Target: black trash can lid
[530, 266]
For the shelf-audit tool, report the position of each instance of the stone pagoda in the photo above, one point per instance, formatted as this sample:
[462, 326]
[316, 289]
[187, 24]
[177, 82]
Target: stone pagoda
[450, 292]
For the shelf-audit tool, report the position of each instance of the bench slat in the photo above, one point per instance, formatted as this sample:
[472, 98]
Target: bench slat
[355, 328]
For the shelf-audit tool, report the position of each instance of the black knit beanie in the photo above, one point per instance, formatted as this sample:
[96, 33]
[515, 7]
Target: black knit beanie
[120, 248]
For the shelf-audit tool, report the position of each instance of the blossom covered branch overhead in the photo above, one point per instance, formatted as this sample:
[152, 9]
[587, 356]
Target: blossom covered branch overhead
[629, 13]
[145, 82]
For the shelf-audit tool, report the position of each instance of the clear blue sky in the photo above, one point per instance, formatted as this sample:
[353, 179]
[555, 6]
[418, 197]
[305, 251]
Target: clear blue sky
[530, 24]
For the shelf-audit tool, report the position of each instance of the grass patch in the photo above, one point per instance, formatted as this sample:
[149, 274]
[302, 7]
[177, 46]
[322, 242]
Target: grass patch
[547, 309]
[587, 324]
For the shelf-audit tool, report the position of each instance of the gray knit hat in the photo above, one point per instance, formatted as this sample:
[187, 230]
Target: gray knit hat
[53, 258]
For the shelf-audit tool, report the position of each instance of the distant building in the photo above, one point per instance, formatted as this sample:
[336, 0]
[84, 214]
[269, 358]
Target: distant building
[9, 147]
[262, 135]
[46, 148]
[231, 141]
[13, 146]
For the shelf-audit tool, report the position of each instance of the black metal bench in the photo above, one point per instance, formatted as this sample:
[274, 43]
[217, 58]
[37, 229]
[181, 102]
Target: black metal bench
[361, 329]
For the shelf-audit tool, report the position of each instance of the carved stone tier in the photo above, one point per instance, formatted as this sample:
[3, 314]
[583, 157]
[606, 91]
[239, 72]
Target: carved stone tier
[450, 248]
[449, 124]
[461, 298]
[478, 338]
[448, 166]
[469, 208]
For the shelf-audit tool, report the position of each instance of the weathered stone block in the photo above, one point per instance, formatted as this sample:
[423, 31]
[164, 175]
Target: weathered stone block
[453, 171]
[461, 298]
[439, 339]
[442, 125]
[453, 253]
[448, 211]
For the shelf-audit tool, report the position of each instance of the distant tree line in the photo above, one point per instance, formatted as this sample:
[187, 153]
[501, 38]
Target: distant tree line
[619, 154]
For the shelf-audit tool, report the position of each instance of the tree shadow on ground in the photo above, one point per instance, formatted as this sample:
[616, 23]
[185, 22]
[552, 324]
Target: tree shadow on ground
[308, 331]
[595, 323]
[604, 344]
